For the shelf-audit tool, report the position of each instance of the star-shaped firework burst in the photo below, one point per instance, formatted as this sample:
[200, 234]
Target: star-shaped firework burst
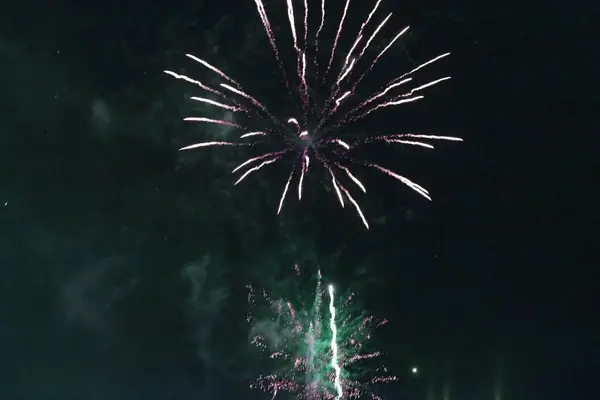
[317, 132]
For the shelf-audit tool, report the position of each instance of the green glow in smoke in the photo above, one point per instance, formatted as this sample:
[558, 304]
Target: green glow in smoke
[334, 346]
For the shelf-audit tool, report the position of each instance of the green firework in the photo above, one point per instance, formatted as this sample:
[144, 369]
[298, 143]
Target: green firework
[315, 349]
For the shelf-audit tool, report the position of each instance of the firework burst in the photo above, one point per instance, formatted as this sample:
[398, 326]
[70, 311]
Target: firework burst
[317, 131]
[318, 349]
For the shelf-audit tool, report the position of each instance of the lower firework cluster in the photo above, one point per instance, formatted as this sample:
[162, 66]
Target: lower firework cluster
[316, 348]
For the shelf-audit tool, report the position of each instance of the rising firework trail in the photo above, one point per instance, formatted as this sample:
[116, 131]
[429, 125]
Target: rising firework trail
[316, 350]
[334, 346]
[314, 133]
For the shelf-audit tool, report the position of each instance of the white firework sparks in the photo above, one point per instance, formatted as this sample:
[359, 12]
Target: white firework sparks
[314, 134]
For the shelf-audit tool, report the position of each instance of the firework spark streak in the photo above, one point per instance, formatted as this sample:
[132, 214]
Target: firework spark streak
[315, 131]
[334, 346]
[316, 351]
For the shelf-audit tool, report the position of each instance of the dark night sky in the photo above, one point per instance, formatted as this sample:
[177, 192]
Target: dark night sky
[99, 214]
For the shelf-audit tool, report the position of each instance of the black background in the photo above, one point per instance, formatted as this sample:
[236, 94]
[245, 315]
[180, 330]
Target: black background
[99, 212]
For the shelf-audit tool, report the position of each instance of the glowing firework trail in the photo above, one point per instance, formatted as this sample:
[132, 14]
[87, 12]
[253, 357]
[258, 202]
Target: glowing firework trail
[318, 351]
[334, 346]
[316, 131]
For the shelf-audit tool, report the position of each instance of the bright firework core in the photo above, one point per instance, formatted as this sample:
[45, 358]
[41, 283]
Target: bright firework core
[321, 141]
[306, 139]
[303, 138]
